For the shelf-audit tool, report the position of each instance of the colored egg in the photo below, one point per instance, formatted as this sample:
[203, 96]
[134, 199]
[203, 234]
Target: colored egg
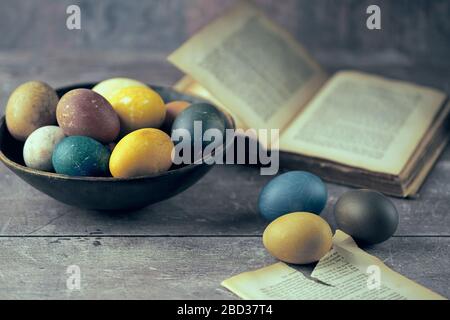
[38, 148]
[83, 112]
[293, 191]
[81, 156]
[299, 237]
[31, 105]
[368, 216]
[173, 109]
[138, 108]
[108, 88]
[141, 153]
[195, 120]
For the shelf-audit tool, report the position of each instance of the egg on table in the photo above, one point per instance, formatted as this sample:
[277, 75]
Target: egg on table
[31, 105]
[293, 191]
[138, 107]
[366, 215]
[107, 88]
[299, 238]
[140, 153]
[83, 112]
[81, 156]
[38, 148]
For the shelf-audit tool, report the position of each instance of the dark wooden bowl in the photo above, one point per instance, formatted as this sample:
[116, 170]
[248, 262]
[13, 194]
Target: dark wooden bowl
[103, 193]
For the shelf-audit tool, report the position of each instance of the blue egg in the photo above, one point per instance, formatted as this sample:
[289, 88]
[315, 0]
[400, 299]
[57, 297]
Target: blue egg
[294, 191]
[81, 156]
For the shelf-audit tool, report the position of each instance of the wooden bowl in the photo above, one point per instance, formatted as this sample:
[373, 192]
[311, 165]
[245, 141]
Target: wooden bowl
[104, 193]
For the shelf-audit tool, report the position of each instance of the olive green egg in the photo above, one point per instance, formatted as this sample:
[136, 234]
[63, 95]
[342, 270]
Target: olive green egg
[197, 119]
[194, 124]
[366, 215]
[32, 105]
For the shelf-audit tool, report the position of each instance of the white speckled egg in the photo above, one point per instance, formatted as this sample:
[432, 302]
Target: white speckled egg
[38, 148]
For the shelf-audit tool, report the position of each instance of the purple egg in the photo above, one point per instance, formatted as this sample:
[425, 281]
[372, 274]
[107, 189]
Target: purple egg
[83, 112]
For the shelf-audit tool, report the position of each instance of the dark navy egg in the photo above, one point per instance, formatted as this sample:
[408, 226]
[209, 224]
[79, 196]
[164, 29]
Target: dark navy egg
[81, 156]
[294, 191]
[200, 116]
[366, 215]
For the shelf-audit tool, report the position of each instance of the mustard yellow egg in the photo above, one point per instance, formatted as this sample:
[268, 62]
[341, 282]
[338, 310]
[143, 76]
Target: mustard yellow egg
[299, 238]
[138, 107]
[140, 153]
[107, 88]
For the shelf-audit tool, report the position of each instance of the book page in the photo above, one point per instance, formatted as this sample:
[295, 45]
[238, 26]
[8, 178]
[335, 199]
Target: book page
[346, 247]
[188, 85]
[251, 66]
[364, 121]
[340, 275]
[276, 282]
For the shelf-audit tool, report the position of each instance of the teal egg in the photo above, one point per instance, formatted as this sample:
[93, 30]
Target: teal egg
[81, 156]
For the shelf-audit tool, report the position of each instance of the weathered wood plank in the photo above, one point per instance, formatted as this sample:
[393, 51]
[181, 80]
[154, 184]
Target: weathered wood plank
[174, 268]
[59, 69]
[418, 29]
[222, 203]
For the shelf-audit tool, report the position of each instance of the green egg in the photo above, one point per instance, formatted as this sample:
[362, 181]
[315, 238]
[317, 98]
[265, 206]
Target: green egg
[368, 216]
[81, 156]
[197, 120]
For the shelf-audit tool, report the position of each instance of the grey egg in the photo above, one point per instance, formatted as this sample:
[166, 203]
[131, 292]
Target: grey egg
[368, 216]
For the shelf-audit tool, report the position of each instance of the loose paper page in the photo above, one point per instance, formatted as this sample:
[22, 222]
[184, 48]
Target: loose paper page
[364, 121]
[353, 255]
[251, 66]
[341, 274]
[276, 282]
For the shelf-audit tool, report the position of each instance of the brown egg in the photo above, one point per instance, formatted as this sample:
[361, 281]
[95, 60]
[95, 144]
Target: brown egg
[83, 112]
[32, 105]
[173, 109]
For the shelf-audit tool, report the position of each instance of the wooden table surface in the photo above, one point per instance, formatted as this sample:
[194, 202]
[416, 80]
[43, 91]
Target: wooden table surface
[184, 247]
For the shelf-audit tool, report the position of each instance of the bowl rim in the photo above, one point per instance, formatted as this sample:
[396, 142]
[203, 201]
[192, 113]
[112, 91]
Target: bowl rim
[200, 162]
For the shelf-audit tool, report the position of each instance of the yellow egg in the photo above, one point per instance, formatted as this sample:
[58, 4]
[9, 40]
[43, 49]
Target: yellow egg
[299, 237]
[140, 153]
[138, 107]
[108, 88]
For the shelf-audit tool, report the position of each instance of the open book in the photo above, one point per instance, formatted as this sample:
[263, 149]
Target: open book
[352, 128]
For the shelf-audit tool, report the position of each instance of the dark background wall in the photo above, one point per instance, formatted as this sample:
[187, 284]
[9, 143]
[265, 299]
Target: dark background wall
[416, 29]
[132, 38]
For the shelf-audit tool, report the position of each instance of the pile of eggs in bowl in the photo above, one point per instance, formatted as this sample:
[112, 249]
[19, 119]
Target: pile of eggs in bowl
[120, 128]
